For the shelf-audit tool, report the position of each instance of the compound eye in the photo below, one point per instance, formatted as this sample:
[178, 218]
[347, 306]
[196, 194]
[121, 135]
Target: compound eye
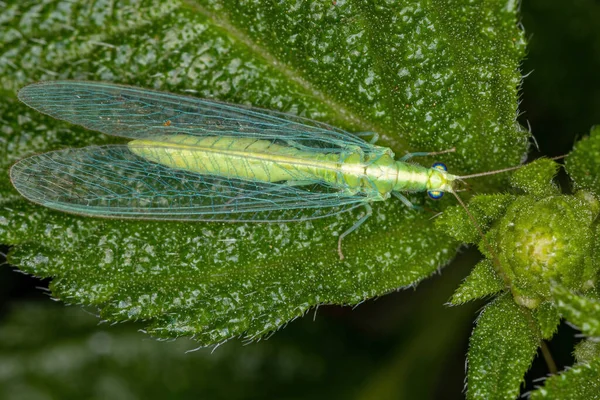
[435, 194]
[439, 166]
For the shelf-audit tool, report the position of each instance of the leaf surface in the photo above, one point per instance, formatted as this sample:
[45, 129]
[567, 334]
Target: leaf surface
[582, 381]
[583, 163]
[483, 281]
[424, 75]
[582, 311]
[501, 350]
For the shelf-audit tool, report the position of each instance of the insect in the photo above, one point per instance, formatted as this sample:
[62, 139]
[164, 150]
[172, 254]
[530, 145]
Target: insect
[200, 160]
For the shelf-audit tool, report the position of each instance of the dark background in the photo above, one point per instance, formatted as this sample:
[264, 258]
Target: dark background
[404, 345]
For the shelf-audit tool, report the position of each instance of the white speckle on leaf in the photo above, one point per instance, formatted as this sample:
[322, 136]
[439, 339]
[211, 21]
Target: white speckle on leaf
[40, 259]
[108, 256]
[403, 72]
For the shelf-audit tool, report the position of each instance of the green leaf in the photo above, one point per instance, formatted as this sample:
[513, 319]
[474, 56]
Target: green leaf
[587, 350]
[424, 76]
[548, 318]
[581, 382]
[536, 178]
[485, 209]
[530, 239]
[583, 163]
[591, 200]
[582, 311]
[501, 350]
[483, 281]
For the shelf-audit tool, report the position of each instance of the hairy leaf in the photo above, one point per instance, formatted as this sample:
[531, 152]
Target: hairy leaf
[579, 382]
[529, 238]
[548, 318]
[583, 163]
[485, 209]
[583, 311]
[534, 178]
[501, 350]
[587, 350]
[425, 76]
[483, 281]
[537, 178]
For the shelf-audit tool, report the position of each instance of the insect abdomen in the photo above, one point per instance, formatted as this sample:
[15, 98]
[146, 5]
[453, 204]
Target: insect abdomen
[245, 158]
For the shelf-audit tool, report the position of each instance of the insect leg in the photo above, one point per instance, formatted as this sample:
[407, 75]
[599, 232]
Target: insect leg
[406, 201]
[408, 156]
[368, 213]
[374, 136]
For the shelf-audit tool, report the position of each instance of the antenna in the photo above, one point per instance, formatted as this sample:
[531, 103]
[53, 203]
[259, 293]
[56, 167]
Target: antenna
[498, 171]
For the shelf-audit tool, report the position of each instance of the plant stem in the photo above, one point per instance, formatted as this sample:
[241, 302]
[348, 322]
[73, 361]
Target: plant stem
[548, 357]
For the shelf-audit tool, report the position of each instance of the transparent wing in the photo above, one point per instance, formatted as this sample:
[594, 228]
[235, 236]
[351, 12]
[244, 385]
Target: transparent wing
[111, 181]
[140, 113]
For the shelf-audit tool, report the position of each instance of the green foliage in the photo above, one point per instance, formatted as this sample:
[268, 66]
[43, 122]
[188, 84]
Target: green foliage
[485, 209]
[482, 282]
[548, 318]
[583, 163]
[587, 350]
[424, 76]
[540, 260]
[537, 178]
[530, 240]
[45, 344]
[582, 311]
[504, 332]
[581, 382]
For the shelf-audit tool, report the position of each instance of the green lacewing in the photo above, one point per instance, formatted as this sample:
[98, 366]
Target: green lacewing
[193, 159]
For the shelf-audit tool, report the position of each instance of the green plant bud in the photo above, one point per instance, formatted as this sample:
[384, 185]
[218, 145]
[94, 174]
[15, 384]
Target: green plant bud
[538, 242]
